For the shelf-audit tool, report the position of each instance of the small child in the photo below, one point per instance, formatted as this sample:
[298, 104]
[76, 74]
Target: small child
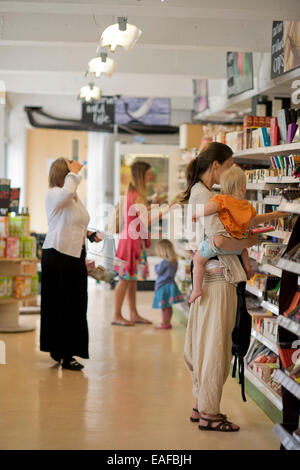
[237, 215]
[166, 290]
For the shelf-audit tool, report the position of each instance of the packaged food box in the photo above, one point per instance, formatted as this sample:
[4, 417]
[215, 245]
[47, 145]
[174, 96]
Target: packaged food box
[3, 226]
[12, 247]
[28, 247]
[2, 248]
[18, 226]
[9, 286]
[2, 286]
[22, 286]
[34, 284]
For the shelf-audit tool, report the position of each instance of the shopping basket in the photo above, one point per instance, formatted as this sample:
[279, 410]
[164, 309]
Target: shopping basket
[106, 264]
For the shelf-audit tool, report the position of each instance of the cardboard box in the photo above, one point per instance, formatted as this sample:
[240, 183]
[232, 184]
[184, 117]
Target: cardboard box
[12, 247]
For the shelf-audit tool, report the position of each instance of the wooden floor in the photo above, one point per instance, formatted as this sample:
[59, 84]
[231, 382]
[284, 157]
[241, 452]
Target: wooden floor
[134, 392]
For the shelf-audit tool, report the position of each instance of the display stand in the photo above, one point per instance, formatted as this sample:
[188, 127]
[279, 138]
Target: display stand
[9, 306]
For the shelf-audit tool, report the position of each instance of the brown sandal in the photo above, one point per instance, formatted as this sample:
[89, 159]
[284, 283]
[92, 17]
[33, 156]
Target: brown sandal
[223, 426]
[196, 420]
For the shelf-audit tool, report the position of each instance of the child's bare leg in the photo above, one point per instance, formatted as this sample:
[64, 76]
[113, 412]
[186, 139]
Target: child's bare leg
[198, 276]
[246, 263]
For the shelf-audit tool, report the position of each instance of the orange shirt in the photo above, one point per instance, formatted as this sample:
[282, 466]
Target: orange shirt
[235, 214]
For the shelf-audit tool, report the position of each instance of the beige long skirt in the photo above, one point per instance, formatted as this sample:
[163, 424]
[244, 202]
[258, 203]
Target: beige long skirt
[208, 342]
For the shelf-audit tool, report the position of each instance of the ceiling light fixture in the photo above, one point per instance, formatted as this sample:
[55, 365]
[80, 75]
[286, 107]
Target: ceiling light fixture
[90, 93]
[120, 34]
[102, 64]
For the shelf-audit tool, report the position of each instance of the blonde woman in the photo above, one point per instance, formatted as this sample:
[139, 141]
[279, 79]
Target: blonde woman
[166, 290]
[64, 329]
[132, 245]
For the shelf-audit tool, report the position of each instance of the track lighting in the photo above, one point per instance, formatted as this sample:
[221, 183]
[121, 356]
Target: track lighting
[120, 34]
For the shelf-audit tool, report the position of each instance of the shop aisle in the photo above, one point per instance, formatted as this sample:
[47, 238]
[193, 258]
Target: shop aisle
[134, 393]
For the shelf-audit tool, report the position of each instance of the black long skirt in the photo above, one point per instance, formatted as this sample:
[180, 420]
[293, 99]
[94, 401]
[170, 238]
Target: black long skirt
[64, 328]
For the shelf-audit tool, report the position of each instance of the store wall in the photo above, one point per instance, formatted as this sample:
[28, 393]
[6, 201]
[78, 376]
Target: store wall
[43, 147]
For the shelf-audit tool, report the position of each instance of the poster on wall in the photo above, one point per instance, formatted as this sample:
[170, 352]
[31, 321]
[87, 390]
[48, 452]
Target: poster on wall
[147, 111]
[285, 47]
[239, 73]
[200, 93]
[102, 112]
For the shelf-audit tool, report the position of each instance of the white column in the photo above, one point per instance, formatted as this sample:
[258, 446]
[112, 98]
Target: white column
[100, 176]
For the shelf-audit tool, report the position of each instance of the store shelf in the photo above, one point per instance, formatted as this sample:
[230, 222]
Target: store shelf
[272, 200]
[262, 386]
[262, 339]
[291, 385]
[271, 307]
[260, 185]
[288, 265]
[6, 300]
[279, 234]
[270, 269]
[18, 260]
[271, 150]
[286, 206]
[253, 290]
[287, 440]
[289, 324]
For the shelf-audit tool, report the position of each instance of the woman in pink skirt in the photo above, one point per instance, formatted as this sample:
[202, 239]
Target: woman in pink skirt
[132, 245]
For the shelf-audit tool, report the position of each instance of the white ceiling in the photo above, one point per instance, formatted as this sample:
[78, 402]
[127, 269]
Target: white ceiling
[45, 45]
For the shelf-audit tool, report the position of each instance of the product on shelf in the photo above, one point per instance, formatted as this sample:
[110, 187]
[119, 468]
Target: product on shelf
[3, 226]
[28, 247]
[34, 285]
[22, 286]
[291, 194]
[287, 354]
[12, 247]
[9, 286]
[2, 286]
[18, 226]
[2, 247]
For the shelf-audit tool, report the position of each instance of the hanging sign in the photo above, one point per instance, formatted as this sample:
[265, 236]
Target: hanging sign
[100, 113]
[285, 54]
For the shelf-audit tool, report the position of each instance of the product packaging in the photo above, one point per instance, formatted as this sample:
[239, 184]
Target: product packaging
[3, 226]
[34, 285]
[9, 286]
[18, 226]
[2, 286]
[22, 286]
[12, 247]
[28, 247]
[2, 248]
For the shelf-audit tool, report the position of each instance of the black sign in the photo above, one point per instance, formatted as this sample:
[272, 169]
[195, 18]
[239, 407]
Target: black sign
[14, 200]
[277, 55]
[100, 113]
[4, 195]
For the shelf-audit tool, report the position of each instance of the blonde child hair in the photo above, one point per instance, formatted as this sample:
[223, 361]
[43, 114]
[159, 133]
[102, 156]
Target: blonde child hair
[165, 249]
[233, 182]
